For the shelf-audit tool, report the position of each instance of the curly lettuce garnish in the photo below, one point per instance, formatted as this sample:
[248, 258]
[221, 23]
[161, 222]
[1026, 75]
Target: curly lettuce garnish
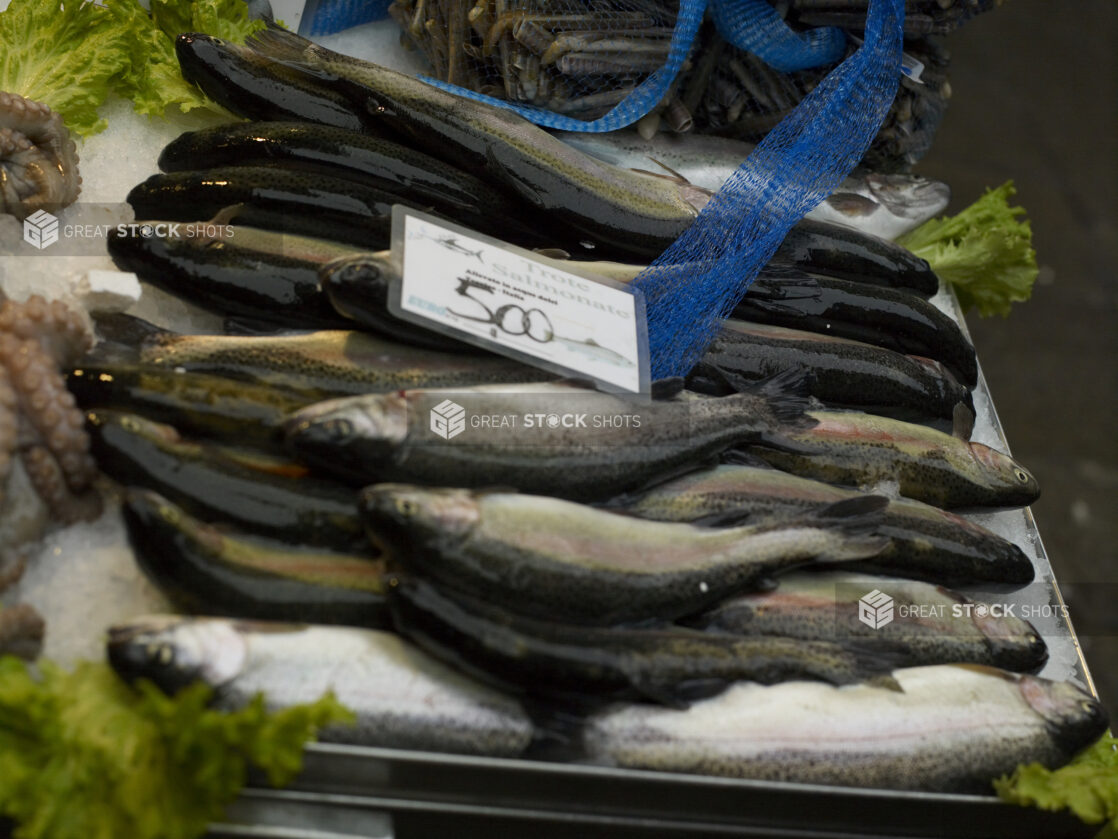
[85, 756]
[985, 252]
[71, 55]
[1088, 786]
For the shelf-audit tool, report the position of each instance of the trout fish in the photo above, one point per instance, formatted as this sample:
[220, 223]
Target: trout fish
[563, 561]
[402, 698]
[606, 443]
[952, 728]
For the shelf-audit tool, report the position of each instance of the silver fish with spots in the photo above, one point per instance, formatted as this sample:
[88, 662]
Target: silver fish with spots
[953, 728]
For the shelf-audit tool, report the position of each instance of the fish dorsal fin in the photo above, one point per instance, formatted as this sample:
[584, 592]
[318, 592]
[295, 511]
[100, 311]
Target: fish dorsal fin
[666, 388]
[962, 422]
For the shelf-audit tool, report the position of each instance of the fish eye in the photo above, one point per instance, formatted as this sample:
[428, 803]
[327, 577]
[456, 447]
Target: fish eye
[1021, 475]
[406, 507]
[1087, 705]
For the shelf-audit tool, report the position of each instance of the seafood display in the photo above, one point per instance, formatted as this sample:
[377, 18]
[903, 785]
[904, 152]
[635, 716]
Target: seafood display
[676, 581]
[38, 160]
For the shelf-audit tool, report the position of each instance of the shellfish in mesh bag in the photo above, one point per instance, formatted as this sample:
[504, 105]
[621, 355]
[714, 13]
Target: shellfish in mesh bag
[578, 58]
[732, 93]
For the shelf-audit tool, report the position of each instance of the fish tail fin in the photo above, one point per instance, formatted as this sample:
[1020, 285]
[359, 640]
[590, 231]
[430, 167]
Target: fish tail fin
[876, 659]
[858, 520]
[786, 394]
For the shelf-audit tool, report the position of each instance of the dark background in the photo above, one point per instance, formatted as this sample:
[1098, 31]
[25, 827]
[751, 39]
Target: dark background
[1035, 99]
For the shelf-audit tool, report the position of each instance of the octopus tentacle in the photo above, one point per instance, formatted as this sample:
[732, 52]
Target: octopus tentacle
[49, 408]
[38, 158]
[38, 415]
[50, 481]
[63, 332]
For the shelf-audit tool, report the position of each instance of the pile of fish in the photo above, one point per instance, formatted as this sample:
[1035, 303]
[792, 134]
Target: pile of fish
[662, 574]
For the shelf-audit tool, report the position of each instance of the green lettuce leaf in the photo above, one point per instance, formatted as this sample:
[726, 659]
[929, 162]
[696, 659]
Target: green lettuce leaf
[72, 54]
[84, 756]
[67, 55]
[1088, 786]
[156, 82]
[985, 252]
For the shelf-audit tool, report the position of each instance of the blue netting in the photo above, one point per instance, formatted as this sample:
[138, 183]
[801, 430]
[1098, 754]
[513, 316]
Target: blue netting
[637, 104]
[325, 17]
[698, 280]
[755, 26]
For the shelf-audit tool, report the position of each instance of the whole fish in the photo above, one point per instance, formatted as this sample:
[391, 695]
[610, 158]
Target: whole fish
[875, 315]
[819, 247]
[563, 561]
[198, 403]
[402, 698]
[930, 624]
[246, 84]
[925, 541]
[631, 212]
[211, 486]
[878, 204]
[839, 372]
[515, 435]
[235, 269]
[351, 155]
[324, 363]
[207, 570]
[941, 469]
[670, 665]
[283, 200]
[952, 728]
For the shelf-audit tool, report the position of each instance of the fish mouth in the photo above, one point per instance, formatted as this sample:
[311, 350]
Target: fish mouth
[1022, 653]
[1073, 717]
